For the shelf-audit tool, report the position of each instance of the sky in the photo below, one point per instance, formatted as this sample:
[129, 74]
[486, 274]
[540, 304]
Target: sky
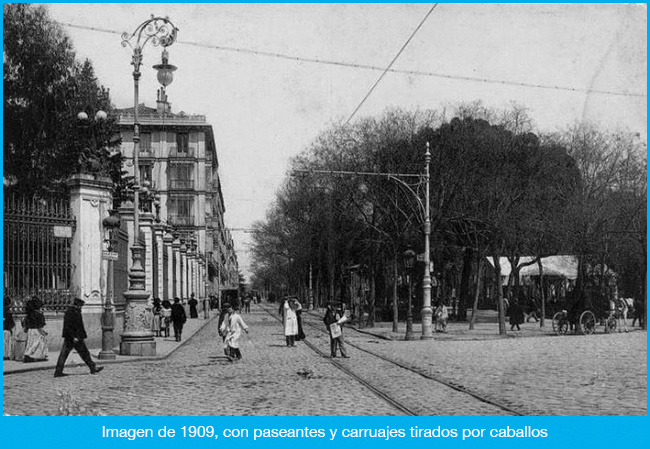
[266, 109]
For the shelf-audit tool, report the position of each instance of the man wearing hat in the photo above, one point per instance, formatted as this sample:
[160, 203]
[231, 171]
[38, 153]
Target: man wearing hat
[74, 334]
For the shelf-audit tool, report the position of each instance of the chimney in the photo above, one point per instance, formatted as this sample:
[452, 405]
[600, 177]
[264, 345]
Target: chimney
[162, 105]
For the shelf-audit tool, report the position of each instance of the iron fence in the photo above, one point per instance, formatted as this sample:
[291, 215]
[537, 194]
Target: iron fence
[37, 233]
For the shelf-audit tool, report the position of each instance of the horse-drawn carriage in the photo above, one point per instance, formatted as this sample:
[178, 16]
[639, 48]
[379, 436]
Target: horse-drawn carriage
[584, 311]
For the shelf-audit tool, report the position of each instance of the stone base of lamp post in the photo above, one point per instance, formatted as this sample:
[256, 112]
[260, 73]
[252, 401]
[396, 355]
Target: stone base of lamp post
[137, 338]
[427, 316]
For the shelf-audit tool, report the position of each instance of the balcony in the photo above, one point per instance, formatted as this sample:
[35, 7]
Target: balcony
[181, 184]
[180, 220]
[182, 153]
[146, 153]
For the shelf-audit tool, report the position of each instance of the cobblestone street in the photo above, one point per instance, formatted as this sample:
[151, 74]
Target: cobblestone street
[571, 375]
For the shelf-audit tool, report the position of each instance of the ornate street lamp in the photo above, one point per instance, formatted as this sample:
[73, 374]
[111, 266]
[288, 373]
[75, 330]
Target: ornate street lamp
[136, 338]
[111, 224]
[409, 261]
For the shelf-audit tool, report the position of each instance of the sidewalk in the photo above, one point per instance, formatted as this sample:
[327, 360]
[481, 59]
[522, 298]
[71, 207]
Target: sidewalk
[459, 331]
[164, 348]
[486, 327]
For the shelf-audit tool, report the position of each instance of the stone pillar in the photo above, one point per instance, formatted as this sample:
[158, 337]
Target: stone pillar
[158, 231]
[168, 240]
[146, 231]
[191, 259]
[201, 277]
[126, 217]
[184, 271]
[90, 200]
[178, 290]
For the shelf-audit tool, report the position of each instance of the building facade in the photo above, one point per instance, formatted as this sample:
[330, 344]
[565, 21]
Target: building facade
[188, 248]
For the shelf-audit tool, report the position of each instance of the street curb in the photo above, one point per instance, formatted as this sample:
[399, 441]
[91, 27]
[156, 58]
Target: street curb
[115, 362]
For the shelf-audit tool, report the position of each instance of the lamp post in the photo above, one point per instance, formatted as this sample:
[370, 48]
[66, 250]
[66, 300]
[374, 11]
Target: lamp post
[136, 338]
[427, 311]
[409, 260]
[111, 224]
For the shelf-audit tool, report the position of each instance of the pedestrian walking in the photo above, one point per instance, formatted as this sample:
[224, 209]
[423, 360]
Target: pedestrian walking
[193, 303]
[224, 317]
[156, 323]
[298, 308]
[8, 325]
[231, 329]
[290, 321]
[247, 304]
[441, 315]
[74, 334]
[334, 320]
[532, 310]
[178, 318]
[516, 314]
[34, 325]
[166, 318]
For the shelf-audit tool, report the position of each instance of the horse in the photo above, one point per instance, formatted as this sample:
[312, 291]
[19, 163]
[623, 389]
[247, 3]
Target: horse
[623, 306]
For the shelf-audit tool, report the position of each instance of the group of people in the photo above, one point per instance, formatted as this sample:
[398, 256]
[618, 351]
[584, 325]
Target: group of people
[36, 347]
[167, 316]
[291, 312]
[32, 333]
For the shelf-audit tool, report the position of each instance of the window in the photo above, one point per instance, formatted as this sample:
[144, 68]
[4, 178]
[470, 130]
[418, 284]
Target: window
[182, 206]
[145, 174]
[182, 143]
[180, 212]
[181, 176]
[145, 142]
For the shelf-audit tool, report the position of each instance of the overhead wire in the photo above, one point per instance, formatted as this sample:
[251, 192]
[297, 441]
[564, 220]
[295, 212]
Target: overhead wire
[391, 63]
[476, 79]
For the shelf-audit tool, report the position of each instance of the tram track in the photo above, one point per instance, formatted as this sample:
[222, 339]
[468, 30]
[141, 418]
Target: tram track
[507, 409]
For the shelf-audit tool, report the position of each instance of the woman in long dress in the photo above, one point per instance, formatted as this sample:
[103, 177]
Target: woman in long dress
[166, 318]
[290, 323]
[157, 317]
[34, 324]
[231, 328]
[8, 325]
[297, 307]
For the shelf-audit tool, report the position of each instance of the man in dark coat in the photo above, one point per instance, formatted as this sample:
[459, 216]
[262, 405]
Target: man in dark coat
[194, 313]
[516, 313]
[335, 316]
[178, 318]
[74, 334]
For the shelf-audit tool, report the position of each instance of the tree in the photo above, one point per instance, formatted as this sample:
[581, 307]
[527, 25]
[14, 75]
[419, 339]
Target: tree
[608, 210]
[495, 189]
[45, 88]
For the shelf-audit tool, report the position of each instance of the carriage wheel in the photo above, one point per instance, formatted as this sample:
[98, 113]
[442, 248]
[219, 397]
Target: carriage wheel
[610, 324]
[560, 325]
[587, 323]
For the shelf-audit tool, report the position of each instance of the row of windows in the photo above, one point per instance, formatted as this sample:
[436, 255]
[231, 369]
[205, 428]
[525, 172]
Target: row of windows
[182, 140]
[184, 173]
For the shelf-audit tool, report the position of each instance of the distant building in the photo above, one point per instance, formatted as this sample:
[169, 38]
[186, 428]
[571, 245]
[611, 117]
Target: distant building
[178, 164]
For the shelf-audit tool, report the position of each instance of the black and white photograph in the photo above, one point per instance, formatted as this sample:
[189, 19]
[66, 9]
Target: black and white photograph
[331, 209]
